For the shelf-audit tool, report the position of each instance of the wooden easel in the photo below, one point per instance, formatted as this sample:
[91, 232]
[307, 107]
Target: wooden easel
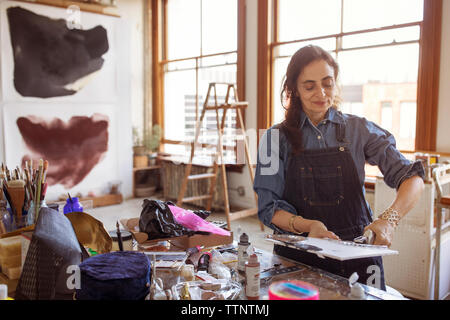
[238, 106]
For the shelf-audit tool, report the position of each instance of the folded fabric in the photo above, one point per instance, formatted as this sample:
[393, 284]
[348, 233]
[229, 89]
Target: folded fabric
[119, 275]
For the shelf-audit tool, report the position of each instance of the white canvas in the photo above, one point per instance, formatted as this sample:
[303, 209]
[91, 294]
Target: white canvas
[102, 88]
[97, 179]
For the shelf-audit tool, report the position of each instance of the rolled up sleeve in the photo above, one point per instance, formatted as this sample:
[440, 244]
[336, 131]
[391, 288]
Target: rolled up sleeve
[269, 178]
[381, 150]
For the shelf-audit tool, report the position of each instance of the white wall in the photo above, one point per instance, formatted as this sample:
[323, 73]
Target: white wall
[443, 127]
[132, 11]
[251, 64]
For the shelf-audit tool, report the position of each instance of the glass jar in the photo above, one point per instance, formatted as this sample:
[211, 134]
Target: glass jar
[6, 220]
[31, 216]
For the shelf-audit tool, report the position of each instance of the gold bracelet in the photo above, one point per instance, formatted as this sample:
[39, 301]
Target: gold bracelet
[291, 224]
[391, 215]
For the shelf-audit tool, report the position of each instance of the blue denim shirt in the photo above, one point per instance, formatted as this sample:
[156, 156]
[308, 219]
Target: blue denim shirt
[367, 143]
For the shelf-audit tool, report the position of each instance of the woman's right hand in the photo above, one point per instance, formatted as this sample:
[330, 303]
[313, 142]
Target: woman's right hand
[318, 230]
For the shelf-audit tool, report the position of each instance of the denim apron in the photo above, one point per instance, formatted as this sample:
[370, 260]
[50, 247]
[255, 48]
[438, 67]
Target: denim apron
[324, 185]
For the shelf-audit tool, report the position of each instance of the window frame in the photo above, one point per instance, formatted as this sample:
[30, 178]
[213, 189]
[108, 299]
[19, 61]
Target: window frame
[428, 73]
[159, 60]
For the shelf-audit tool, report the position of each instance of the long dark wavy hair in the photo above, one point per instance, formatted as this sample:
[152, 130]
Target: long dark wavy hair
[291, 124]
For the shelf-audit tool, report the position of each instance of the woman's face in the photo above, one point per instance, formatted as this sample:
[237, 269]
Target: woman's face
[317, 89]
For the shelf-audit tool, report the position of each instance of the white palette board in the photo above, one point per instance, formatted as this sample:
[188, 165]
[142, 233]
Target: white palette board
[335, 249]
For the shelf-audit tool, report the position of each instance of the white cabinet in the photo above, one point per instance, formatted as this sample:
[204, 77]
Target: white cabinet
[412, 271]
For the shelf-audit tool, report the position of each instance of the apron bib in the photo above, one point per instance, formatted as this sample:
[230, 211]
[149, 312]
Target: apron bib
[324, 185]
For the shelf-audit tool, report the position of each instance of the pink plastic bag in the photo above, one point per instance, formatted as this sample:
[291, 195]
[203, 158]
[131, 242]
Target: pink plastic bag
[190, 220]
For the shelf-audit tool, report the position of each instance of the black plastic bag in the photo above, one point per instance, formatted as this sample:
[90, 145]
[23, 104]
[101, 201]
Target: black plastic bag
[158, 221]
[202, 213]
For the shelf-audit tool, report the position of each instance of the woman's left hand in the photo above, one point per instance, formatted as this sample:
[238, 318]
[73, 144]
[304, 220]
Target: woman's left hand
[384, 232]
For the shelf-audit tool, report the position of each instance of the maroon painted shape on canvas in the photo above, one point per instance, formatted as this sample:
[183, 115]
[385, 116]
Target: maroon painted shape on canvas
[73, 149]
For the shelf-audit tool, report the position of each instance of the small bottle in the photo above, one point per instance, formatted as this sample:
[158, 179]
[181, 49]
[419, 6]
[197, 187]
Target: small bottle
[5, 218]
[243, 245]
[4, 292]
[252, 281]
[72, 205]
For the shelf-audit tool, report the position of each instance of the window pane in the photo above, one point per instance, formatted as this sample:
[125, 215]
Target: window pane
[407, 124]
[355, 108]
[209, 134]
[287, 50]
[386, 115]
[300, 19]
[280, 66]
[179, 100]
[220, 59]
[183, 28]
[387, 74]
[367, 14]
[381, 37]
[219, 26]
[393, 64]
[180, 65]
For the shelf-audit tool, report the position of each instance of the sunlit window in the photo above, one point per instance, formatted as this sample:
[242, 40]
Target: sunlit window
[376, 44]
[201, 38]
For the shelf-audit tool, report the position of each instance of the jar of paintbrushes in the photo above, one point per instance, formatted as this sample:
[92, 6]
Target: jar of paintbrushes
[24, 191]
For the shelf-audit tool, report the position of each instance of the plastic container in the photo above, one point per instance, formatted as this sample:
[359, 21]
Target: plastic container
[73, 206]
[252, 281]
[127, 240]
[243, 245]
[6, 219]
[293, 290]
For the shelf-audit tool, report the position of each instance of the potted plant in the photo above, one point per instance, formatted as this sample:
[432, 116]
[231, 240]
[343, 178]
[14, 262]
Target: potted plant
[152, 142]
[140, 158]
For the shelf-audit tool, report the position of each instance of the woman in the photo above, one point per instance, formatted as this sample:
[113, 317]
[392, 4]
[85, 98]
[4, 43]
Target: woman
[310, 172]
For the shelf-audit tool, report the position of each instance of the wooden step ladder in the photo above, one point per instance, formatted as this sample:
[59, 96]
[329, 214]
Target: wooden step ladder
[218, 157]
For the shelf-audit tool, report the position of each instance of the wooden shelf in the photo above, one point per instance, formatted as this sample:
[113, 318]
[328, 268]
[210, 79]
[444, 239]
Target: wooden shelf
[147, 168]
[88, 7]
[105, 200]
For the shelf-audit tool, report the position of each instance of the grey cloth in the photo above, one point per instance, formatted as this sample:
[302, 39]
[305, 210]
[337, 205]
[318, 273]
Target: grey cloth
[53, 249]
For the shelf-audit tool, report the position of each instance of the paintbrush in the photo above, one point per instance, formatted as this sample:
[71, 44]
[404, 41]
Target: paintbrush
[44, 190]
[2, 177]
[119, 236]
[16, 190]
[8, 176]
[38, 186]
[45, 171]
[8, 198]
[28, 183]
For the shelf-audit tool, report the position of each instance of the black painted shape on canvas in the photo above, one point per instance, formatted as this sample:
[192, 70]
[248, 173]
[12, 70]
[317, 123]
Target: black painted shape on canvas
[49, 56]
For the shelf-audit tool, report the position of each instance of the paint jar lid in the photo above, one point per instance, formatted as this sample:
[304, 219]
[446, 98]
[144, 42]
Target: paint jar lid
[125, 235]
[243, 238]
[293, 290]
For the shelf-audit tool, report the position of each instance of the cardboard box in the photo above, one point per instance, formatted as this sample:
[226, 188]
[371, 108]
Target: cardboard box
[212, 240]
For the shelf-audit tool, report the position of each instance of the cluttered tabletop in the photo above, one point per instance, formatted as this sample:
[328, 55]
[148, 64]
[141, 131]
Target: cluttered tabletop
[168, 253]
